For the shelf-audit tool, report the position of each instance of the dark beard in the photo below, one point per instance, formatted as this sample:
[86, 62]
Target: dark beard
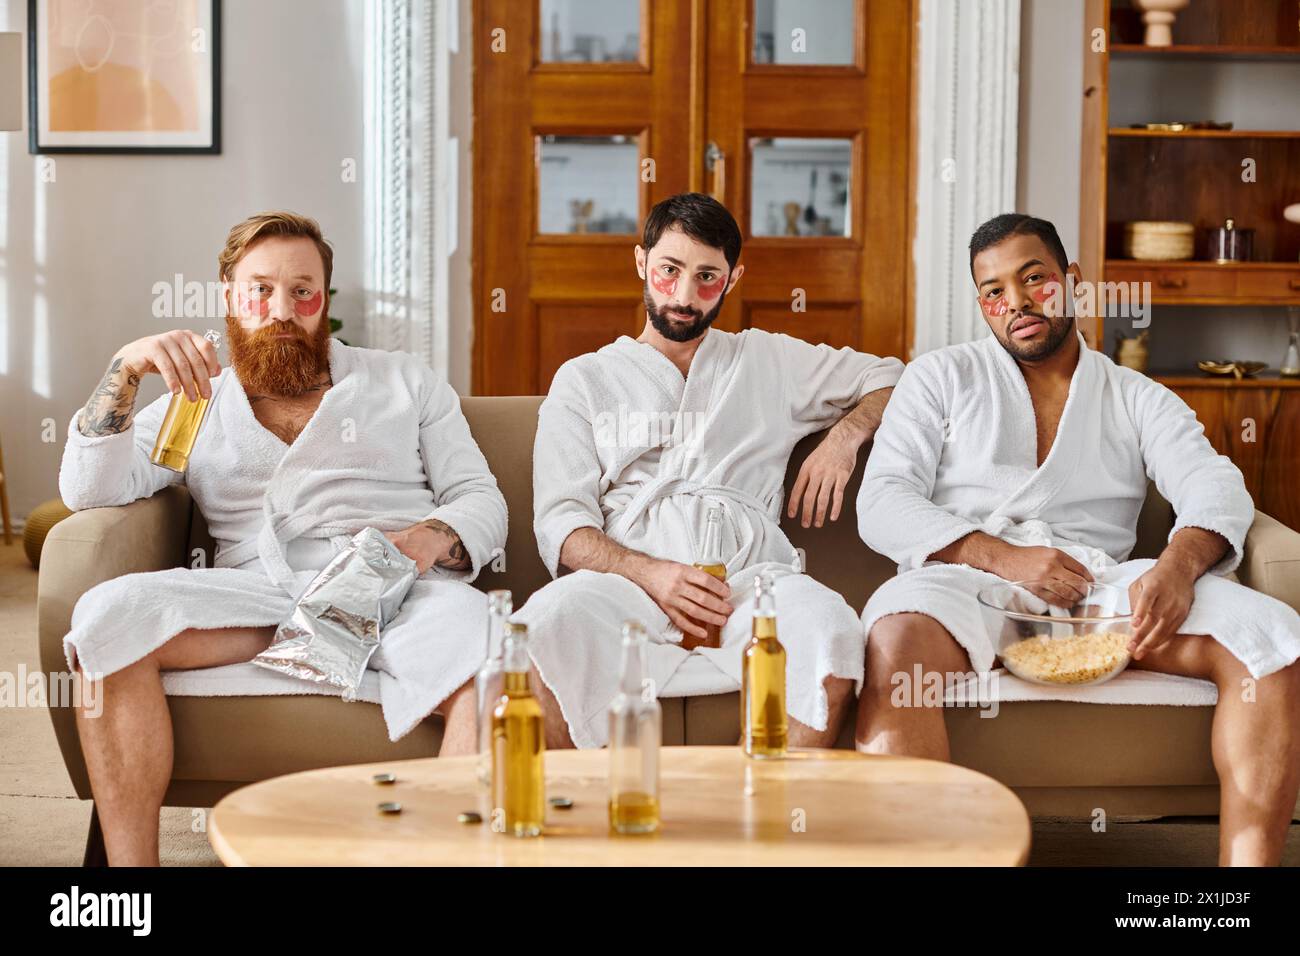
[265, 365]
[1058, 330]
[675, 331]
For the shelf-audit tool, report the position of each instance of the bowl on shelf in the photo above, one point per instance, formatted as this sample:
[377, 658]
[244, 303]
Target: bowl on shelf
[1225, 367]
[1079, 646]
[1181, 126]
[1161, 241]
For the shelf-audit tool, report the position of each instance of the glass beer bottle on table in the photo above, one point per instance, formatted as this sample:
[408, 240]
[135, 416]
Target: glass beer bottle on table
[710, 562]
[518, 780]
[762, 695]
[635, 731]
[487, 683]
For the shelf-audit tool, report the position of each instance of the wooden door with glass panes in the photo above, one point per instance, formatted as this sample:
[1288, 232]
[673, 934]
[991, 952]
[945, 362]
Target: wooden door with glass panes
[794, 113]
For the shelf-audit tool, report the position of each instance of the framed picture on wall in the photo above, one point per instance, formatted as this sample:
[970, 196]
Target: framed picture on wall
[124, 76]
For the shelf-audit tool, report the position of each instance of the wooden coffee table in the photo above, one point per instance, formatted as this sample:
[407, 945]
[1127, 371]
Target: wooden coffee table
[817, 807]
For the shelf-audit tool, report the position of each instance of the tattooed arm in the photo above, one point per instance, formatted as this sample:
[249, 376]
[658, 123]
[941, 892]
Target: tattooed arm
[184, 359]
[468, 518]
[112, 405]
[431, 543]
[106, 460]
[451, 550]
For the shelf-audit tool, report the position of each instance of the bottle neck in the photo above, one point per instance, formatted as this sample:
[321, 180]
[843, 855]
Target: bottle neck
[712, 551]
[499, 609]
[633, 670]
[515, 685]
[514, 657]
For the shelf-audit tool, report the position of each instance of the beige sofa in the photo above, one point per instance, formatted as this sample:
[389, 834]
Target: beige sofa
[1063, 759]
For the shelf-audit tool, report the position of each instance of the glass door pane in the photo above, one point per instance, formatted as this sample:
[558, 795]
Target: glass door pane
[804, 32]
[799, 186]
[588, 184]
[590, 31]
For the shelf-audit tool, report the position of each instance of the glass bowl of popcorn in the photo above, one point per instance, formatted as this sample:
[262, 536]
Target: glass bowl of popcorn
[1080, 645]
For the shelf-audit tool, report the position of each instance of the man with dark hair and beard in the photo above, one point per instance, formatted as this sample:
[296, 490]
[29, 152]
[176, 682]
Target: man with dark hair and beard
[1025, 457]
[306, 441]
[637, 441]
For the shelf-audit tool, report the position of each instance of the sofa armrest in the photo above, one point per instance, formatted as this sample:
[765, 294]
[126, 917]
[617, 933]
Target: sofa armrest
[99, 544]
[84, 550]
[1271, 562]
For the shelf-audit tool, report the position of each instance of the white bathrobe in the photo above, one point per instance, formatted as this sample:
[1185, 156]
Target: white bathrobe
[387, 448]
[957, 453]
[626, 445]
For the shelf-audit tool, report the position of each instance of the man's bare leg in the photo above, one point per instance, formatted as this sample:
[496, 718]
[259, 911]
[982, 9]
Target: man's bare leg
[896, 644]
[128, 746]
[839, 691]
[554, 724]
[1255, 741]
[460, 722]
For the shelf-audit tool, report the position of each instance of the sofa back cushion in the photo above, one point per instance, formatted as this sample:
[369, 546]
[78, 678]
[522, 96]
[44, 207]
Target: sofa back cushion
[505, 427]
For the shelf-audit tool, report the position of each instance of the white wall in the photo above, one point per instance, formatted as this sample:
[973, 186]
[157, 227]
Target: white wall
[1051, 114]
[79, 256]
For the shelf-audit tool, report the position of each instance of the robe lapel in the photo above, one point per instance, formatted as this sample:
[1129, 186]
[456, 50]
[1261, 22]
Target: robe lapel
[655, 366]
[1077, 432]
[284, 518]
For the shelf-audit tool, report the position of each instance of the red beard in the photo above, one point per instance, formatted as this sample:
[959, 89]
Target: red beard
[266, 365]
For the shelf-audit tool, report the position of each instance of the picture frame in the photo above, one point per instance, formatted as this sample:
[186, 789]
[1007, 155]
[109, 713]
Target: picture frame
[135, 76]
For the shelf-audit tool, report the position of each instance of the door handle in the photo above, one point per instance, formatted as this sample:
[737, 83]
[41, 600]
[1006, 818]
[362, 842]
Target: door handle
[715, 161]
[1165, 282]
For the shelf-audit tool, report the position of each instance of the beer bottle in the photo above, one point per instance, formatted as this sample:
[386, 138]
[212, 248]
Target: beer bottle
[487, 683]
[518, 781]
[180, 427]
[762, 694]
[179, 431]
[710, 562]
[635, 722]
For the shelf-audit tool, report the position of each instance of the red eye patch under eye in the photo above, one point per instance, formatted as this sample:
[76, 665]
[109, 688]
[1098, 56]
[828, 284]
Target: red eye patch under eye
[257, 307]
[1046, 290]
[306, 307]
[994, 307]
[664, 285]
[713, 289]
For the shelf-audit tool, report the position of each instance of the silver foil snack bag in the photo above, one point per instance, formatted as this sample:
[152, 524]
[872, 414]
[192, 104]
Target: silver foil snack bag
[335, 626]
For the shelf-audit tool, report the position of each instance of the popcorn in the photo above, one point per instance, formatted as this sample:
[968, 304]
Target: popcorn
[1075, 659]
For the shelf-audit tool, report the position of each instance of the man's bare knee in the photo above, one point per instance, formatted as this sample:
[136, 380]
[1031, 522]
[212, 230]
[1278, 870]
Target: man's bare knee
[900, 641]
[462, 696]
[553, 723]
[837, 688]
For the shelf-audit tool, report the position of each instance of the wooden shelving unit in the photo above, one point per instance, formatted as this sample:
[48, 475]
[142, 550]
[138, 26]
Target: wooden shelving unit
[1131, 174]
[1197, 282]
[1198, 51]
[1265, 380]
[1206, 133]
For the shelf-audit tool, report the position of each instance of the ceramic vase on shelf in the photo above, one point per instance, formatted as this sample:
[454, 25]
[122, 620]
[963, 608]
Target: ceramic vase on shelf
[1158, 15]
[1292, 213]
[1132, 353]
[1291, 361]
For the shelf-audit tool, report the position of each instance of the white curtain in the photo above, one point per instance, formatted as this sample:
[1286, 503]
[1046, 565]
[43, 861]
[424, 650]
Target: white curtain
[968, 113]
[409, 165]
